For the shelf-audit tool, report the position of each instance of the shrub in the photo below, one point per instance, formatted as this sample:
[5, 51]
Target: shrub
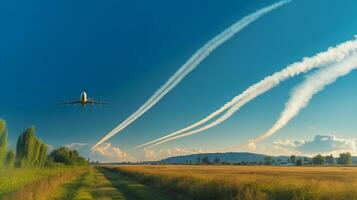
[67, 156]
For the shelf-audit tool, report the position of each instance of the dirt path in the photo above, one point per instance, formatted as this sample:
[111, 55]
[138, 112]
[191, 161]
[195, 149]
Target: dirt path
[103, 184]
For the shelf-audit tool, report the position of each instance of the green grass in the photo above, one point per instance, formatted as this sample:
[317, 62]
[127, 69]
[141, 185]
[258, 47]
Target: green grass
[102, 184]
[13, 179]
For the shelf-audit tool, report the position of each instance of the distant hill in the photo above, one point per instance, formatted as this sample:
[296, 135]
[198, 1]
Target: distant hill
[232, 157]
[229, 157]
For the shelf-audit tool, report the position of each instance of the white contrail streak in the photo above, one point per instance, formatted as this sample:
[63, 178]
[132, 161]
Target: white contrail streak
[190, 65]
[331, 56]
[304, 92]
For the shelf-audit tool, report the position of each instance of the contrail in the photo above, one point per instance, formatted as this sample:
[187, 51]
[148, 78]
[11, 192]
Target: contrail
[303, 93]
[331, 56]
[190, 65]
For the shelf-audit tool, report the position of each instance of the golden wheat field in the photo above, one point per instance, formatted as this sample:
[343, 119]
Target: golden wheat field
[248, 182]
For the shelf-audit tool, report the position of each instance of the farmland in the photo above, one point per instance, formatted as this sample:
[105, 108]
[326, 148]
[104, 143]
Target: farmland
[181, 182]
[248, 182]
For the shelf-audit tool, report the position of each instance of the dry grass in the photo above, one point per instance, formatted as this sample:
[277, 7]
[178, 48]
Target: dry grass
[250, 182]
[43, 188]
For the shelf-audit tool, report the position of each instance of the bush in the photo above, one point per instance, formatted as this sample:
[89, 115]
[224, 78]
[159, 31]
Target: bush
[67, 156]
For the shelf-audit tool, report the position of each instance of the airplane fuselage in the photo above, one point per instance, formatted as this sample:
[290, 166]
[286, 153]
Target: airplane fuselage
[84, 98]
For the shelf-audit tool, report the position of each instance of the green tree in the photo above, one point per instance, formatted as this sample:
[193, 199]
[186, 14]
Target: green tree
[293, 159]
[3, 142]
[205, 160]
[318, 160]
[30, 151]
[298, 162]
[198, 160]
[268, 160]
[217, 160]
[330, 160]
[345, 159]
[10, 159]
[67, 156]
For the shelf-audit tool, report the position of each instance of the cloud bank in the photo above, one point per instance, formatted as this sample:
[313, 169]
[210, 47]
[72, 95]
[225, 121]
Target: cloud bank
[190, 65]
[76, 146]
[106, 152]
[321, 144]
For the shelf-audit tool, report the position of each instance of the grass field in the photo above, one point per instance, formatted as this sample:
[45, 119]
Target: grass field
[164, 182]
[248, 182]
[34, 183]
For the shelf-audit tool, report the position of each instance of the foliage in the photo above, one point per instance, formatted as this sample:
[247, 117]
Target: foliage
[30, 151]
[298, 162]
[318, 160]
[293, 159]
[205, 160]
[217, 160]
[345, 159]
[268, 160]
[330, 160]
[198, 160]
[3, 142]
[67, 156]
[10, 159]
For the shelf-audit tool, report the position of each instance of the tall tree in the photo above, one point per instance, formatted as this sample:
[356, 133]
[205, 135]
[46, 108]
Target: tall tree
[30, 151]
[293, 159]
[345, 159]
[298, 162]
[318, 160]
[3, 142]
[205, 160]
[217, 160]
[268, 160]
[198, 160]
[330, 159]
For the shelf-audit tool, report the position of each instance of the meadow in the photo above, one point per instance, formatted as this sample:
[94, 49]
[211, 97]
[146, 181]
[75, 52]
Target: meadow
[35, 183]
[247, 182]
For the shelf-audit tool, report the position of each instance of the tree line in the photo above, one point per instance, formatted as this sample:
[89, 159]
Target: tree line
[344, 159]
[33, 152]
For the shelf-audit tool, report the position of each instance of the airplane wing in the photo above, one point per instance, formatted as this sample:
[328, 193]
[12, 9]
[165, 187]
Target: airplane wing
[71, 102]
[94, 102]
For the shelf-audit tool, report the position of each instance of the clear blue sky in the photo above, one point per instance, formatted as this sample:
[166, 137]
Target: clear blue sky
[122, 51]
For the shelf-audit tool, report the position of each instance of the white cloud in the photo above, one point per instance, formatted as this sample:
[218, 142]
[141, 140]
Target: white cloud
[161, 154]
[321, 144]
[75, 146]
[106, 152]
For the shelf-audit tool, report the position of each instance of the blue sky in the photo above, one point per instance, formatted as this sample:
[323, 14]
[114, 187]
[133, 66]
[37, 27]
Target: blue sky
[123, 51]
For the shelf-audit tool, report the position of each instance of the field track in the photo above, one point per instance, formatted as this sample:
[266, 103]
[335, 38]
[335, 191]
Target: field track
[104, 184]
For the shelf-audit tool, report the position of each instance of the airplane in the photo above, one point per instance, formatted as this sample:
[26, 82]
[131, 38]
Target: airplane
[84, 100]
